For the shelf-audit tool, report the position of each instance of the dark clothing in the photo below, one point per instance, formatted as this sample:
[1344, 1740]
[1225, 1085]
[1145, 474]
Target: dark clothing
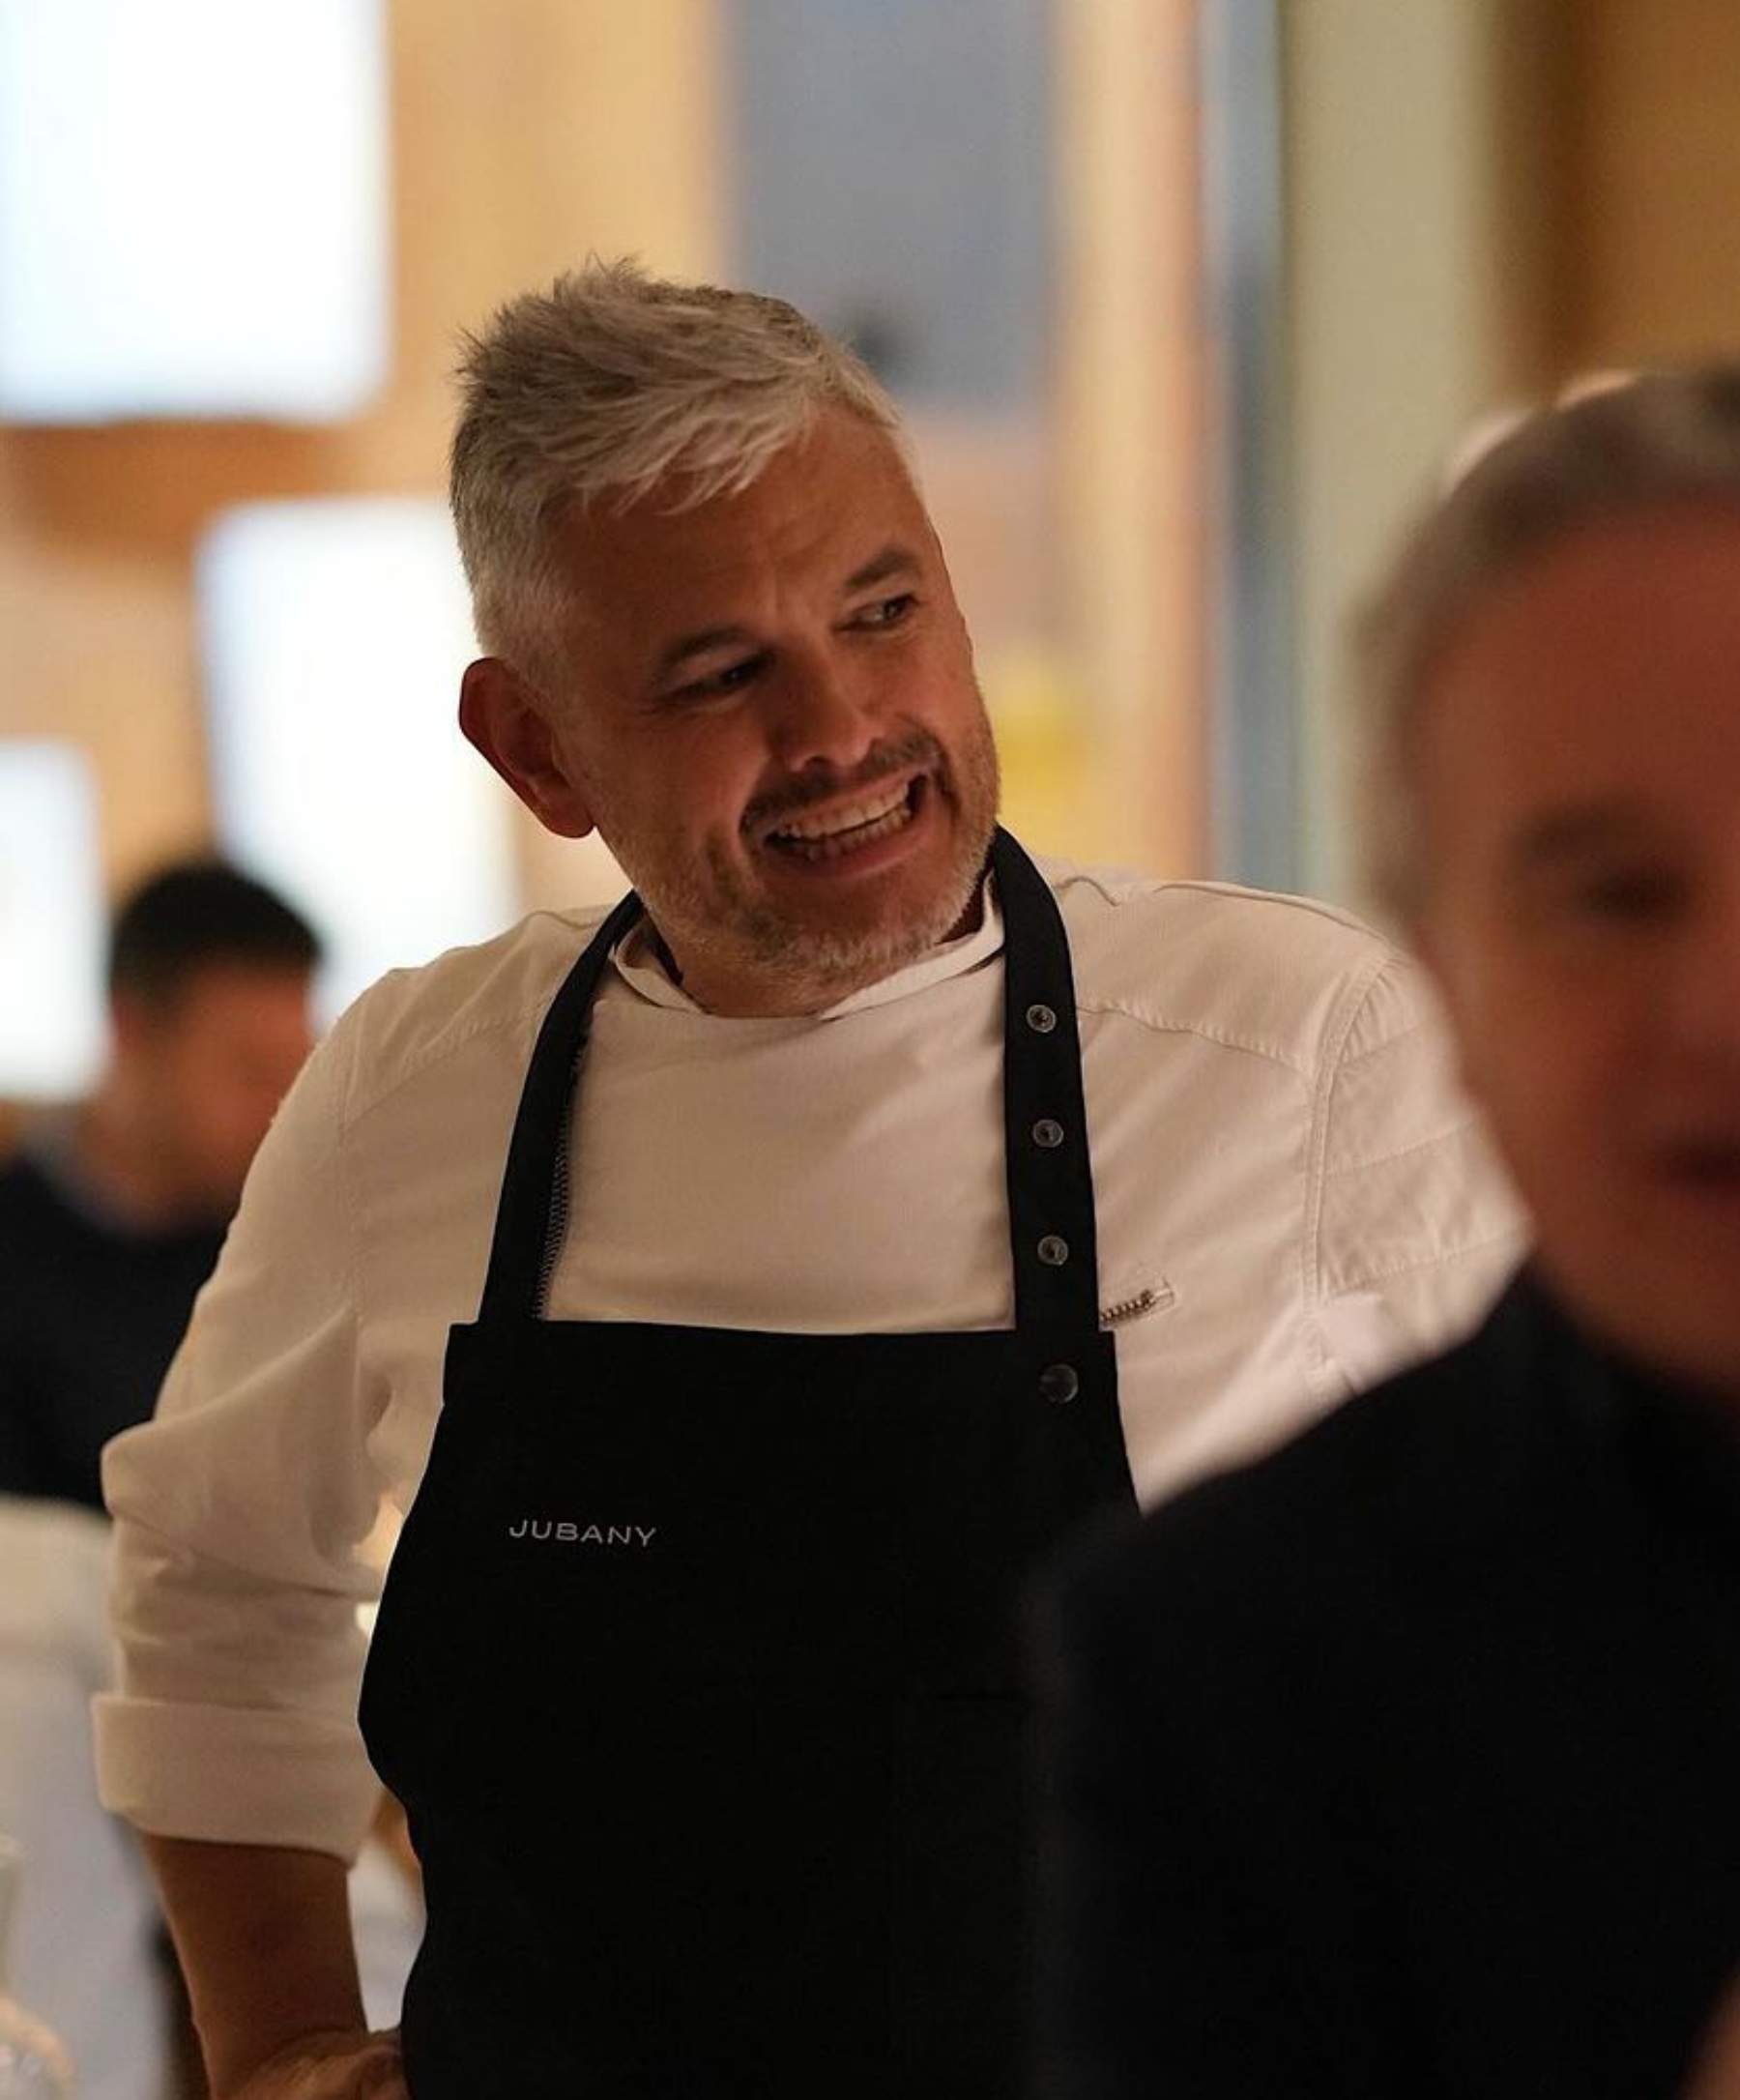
[90, 1315]
[1406, 1761]
[698, 1667]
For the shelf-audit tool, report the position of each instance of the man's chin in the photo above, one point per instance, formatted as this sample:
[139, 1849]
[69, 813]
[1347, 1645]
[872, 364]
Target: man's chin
[836, 949]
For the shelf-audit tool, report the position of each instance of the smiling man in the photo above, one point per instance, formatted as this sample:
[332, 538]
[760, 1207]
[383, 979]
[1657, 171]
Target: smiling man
[1404, 1761]
[803, 792]
[742, 1291]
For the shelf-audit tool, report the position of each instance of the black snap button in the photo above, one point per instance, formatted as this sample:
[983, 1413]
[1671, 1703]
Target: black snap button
[1054, 1250]
[1041, 1019]
[1048, 1134]
[1059, 1382]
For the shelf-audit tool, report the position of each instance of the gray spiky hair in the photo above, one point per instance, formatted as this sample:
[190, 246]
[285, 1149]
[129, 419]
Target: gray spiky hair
[603, 388]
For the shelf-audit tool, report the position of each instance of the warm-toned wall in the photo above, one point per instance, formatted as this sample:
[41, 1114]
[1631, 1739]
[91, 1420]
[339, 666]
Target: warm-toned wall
[1650, 264]
[1485, 196]
[1131, 393]
[1398, 306]
[531, 132]
[525, 134]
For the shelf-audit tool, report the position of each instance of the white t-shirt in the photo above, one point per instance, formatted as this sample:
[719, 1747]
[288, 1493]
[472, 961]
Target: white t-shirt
[1291, 1199]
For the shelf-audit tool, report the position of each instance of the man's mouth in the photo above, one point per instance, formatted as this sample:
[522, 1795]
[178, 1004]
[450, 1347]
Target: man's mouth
[829, 834]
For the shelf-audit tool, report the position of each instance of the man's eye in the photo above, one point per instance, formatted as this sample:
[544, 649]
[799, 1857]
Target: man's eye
[1628, 894]
[886, 612]
[726, 679]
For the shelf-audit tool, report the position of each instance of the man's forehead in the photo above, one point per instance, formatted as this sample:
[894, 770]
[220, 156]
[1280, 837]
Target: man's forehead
[1620, 638]
[1588, 708]
[834, 514]
[1675, 562]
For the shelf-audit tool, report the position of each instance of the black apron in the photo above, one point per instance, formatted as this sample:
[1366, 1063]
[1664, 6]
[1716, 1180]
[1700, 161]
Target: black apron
[698, 1667]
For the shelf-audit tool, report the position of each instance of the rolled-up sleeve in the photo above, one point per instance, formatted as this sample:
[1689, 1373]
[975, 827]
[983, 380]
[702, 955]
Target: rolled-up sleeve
[241, 1514]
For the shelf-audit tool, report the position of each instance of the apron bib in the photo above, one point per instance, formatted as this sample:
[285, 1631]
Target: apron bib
[697, 1668]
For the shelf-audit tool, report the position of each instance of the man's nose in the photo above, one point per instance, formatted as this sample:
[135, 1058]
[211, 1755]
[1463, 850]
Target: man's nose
[825, 717]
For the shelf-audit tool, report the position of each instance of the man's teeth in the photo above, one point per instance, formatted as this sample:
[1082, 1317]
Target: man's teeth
[855, 825]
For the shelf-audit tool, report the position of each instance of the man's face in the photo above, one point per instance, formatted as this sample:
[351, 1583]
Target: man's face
[212, 1065]
[1579, 754]
[773, 722]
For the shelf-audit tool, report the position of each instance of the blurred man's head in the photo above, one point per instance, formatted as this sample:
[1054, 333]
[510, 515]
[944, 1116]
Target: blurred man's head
[1554, 674]
[208, 979]
[721, 631]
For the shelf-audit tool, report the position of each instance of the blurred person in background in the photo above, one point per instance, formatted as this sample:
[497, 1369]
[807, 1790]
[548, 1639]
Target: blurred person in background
[111, 1217]
[113, 1213]
[783, 1314]
[1405, 1760]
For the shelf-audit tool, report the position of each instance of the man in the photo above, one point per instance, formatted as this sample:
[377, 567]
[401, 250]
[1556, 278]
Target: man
[111, 1217]
[1404, 1761]
[111, 1214]
[797, 1324]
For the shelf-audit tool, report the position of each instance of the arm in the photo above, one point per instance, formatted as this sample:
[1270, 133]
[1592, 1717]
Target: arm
[264, 1937]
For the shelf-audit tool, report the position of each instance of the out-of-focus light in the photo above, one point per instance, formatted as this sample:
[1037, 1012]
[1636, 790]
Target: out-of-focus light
[335, 635]
[52, 922]
[193, 208]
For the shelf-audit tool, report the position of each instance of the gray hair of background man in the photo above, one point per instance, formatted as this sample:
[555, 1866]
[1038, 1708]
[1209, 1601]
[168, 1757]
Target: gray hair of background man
[1651, 442]
[602, 388]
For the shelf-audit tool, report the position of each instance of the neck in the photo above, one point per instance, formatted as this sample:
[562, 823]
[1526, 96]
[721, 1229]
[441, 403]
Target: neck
[775, 993]
[118, 1155]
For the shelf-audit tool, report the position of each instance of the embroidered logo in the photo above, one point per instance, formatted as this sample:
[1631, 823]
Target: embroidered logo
[563, 1533]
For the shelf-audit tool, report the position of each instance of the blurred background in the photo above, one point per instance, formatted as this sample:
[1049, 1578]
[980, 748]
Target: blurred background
[1187, 301]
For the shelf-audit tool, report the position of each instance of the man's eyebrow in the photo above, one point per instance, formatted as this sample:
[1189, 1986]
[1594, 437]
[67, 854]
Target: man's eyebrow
[1580, 828]
[676, 654]
[893, 561]
[882, 568]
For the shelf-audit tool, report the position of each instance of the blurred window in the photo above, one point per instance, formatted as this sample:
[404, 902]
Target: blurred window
[192, 208]
[893, 178]
[52, 922]
[335, 635]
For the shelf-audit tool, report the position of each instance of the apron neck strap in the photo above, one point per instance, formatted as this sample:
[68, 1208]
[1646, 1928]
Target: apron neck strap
[1049, 1171]
[532, 1208]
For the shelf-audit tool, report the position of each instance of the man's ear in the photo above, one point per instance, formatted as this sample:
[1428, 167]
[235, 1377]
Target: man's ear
[506, 720]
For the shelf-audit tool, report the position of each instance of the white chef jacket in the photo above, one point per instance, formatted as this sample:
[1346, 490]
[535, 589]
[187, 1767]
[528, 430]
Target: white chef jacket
[1291, 1199]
